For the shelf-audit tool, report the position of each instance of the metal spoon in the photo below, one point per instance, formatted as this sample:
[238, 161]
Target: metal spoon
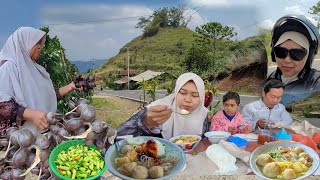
[184, 114]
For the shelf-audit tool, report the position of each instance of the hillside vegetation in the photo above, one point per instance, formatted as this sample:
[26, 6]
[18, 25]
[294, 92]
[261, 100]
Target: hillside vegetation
[170, 47]
[162, 52]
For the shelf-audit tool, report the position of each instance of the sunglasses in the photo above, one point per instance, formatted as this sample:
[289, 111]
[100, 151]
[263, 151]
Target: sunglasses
[295, 54]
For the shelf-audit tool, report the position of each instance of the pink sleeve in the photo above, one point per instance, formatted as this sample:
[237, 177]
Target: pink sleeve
[217, 125]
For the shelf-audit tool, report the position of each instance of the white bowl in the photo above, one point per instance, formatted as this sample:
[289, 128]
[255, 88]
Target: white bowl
[216, 136]
[267, 147]
[186, 147]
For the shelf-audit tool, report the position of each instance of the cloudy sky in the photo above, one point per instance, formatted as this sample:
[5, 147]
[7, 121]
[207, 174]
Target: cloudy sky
[97, 29]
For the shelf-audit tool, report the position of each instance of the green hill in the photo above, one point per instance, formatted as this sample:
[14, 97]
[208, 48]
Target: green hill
[166, 51]
[162, 52]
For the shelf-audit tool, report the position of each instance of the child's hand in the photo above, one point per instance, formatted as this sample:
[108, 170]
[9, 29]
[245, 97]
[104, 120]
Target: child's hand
[232, 130]
[246, 130]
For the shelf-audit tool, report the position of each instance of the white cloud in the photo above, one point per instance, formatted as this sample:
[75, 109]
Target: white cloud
[293, 10]
[222, 3]
[196, 19]
[266, 24]
[107, 42]
[108, 28]
[210, 2]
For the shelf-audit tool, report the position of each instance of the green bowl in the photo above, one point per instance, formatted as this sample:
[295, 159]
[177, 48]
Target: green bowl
[63, 146]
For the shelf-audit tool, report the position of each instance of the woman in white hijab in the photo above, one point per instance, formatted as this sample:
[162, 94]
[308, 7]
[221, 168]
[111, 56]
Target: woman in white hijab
[26, 86]
[163, 118]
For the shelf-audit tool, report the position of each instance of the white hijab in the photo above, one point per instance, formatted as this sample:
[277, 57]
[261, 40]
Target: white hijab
[184, 124]
[21, 77]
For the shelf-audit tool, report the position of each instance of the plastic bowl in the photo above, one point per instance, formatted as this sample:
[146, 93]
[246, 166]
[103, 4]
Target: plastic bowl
[186, 146]
[216, 136]
[63, 146]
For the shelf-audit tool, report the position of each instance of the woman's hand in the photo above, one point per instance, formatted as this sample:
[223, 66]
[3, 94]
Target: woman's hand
[66, 89]
[39, 118]
[72, 87]
[157, 115]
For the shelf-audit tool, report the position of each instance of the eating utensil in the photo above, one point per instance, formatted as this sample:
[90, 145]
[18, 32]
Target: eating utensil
[241, 126]
[119, 138]
[181, 113]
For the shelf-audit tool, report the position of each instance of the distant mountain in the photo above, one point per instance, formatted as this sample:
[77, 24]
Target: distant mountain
[84, 66]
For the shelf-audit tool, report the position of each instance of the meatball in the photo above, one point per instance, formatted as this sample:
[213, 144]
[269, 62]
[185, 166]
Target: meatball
[140, 172]
[297, 150]
[289, 174]
[127, 169]
[271, 170]
[263, 159]
[126, 148]
[156, 172]
[121, 161]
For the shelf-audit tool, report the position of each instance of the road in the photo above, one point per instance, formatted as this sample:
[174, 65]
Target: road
[315, 65]
[137, 95]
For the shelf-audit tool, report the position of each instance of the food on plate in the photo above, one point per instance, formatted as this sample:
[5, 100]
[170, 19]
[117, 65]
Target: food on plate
[127, 168]
[91, 162]
[284, 162]
[153, 148]
[155, 172]
[135, 140]
[271, 169]
[263, 159]
[150, 159]
[140, 172]
[185, 139]
[184, 112]
[289, 174]
[126, 148]
[222, 158]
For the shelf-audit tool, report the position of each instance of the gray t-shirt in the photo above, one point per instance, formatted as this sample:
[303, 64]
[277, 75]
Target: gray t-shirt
[256, 110]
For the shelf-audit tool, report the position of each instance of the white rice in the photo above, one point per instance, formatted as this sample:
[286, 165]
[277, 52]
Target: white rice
[222, 158]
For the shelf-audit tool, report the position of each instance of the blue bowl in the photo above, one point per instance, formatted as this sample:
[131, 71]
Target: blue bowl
[111, 155]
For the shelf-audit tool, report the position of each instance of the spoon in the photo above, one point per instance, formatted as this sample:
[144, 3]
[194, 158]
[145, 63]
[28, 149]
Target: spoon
[182, 112]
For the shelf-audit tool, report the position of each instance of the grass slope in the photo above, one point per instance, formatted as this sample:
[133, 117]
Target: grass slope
[162, 52]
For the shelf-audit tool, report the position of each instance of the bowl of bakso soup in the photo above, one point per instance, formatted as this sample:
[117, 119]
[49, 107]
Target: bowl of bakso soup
[216, 136]
[284, 160]
[145, 158]
[186, 142]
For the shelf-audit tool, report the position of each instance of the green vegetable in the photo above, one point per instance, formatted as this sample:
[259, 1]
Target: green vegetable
[275, 155]
[79, 161]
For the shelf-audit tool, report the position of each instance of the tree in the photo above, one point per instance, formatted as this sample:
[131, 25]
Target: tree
[315, 10]
[197, 60]
[161, 18]
[210, 48]
[61, 71]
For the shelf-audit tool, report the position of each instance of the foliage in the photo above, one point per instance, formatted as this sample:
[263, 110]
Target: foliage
[149, 88]
[265, 36]
[161, 18]
[207, 56]
[214, 109]
[315, 10]
[210, 88]
[61, 71]
[307, 106]
[109, 81]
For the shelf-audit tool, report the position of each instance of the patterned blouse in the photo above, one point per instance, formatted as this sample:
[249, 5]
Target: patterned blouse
[136, 127]
[11, 114]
